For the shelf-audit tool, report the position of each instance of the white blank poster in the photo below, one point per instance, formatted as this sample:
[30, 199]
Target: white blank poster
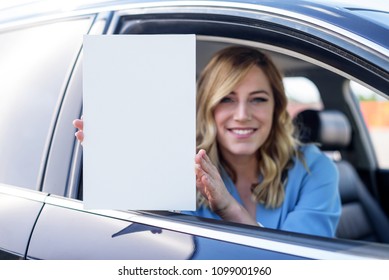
[139, 122]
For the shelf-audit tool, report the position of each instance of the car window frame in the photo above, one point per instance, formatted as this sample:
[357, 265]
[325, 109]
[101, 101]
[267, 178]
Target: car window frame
[61, 176]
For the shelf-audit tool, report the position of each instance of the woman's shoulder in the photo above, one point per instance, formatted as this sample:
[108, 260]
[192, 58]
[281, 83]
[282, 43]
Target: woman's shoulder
[313, 157]
[313, 169]
[311, 152]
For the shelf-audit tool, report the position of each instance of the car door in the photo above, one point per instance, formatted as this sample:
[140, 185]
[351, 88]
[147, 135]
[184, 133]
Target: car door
[65, 230]
[19, 210]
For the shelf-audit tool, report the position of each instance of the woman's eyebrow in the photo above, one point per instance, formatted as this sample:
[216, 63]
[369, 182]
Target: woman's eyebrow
[254, 92]
[259, 91]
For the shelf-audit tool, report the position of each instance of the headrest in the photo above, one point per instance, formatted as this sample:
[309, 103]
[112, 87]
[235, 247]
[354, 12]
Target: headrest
[330, 128]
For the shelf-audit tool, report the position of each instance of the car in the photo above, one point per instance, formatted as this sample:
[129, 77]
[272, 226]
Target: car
[334, 57]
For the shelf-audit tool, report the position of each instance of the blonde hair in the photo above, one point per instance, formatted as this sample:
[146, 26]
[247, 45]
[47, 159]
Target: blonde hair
[219, 78]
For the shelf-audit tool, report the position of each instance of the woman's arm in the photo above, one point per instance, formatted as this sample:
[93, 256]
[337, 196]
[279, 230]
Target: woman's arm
[315, 195]
[210, 184]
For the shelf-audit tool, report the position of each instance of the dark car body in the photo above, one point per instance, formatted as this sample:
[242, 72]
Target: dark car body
[41, 208]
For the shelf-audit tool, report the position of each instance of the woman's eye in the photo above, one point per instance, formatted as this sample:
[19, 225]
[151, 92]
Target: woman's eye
[258, 100]
[226, 100]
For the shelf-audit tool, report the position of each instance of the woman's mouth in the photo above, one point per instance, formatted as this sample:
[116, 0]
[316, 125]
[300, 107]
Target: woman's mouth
[242, 131]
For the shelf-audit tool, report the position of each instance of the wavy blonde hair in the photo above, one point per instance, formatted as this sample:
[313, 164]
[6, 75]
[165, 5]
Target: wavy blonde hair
[223, 73]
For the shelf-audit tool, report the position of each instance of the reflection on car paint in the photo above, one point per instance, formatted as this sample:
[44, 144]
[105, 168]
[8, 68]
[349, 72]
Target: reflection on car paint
[138, 228]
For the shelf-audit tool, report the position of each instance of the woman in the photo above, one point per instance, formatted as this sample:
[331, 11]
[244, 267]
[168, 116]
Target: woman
[249, 167]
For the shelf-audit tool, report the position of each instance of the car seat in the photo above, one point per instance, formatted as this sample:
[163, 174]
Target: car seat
[362, 217]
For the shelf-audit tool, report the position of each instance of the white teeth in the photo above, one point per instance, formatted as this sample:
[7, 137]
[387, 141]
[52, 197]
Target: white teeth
[242, 131]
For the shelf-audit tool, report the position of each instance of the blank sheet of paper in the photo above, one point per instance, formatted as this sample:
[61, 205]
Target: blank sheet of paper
[139, 122]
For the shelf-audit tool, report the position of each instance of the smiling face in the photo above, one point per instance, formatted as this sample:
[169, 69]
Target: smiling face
[244, 117]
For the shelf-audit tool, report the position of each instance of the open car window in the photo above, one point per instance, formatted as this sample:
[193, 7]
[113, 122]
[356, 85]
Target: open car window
[314, 73]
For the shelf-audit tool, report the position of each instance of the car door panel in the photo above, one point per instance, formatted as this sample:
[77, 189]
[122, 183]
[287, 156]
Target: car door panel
[67, 232]
[20, 209]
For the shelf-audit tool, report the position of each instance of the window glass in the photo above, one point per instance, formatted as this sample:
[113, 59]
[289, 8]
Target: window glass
[35, 64]
[302, 94]
[375, 111]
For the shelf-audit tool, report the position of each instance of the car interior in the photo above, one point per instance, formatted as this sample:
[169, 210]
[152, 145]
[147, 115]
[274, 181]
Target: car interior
[362, 216]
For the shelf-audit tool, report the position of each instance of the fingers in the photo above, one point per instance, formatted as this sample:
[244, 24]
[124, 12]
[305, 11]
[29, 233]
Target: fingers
[79, 135]
[199, 156]
[202, 181]
[201, 175]
[208, 180]
[205, 162]
[79, 124]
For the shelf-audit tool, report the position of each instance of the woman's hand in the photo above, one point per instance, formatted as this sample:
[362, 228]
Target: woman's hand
[79, 124]
[211, 186]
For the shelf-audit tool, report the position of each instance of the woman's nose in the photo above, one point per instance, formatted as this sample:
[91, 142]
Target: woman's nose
[242, 112]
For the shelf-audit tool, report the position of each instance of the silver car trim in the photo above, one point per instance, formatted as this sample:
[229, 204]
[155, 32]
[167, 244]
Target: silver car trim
[252, 11]
[230, 8]
[74, 176]
[79, 206]
[22, 193]
[256, 242]
[207, 232]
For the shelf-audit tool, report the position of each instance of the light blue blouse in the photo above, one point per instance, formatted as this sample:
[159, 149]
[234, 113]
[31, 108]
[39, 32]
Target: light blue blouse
[312, 202]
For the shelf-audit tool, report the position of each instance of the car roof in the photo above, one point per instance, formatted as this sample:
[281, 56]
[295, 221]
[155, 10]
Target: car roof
[381, 5]
[352, 16]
